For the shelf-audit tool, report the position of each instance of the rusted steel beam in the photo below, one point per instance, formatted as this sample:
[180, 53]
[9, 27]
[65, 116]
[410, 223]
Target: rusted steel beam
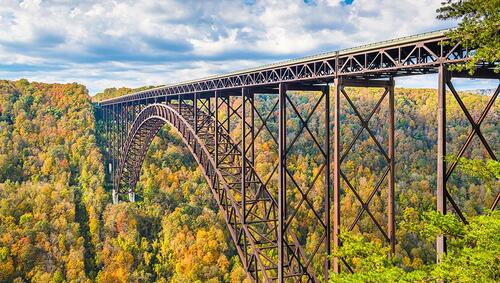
[391, 203]
[282, 183]
[244, 94]
[336, 173]
[443, 77]
[327, 196]
[408, 56]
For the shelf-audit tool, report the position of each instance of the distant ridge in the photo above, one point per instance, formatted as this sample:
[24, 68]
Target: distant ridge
[482, 91]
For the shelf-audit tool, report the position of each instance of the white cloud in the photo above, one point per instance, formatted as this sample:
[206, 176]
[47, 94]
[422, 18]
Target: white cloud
[112, 43]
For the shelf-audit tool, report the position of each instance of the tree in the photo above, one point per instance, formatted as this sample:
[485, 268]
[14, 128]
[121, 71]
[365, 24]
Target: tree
[472, 248]
[479, 28]
[472, 256]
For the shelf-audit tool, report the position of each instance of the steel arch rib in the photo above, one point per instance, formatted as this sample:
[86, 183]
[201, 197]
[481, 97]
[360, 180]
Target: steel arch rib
[166, 114]
[255, 241]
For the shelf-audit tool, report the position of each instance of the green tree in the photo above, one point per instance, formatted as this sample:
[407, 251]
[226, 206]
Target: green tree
[473, 248]
[472, 256]
[479, 28]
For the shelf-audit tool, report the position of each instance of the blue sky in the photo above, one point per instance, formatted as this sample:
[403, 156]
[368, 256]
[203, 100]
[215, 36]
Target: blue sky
[133, 43]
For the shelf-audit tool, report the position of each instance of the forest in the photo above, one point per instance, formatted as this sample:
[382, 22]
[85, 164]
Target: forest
[58, 224]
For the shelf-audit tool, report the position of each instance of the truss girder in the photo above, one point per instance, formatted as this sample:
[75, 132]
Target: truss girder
[409, 58]
[251, 217]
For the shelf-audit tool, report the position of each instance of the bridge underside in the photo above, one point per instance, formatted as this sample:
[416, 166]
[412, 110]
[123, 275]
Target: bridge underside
[284, 227]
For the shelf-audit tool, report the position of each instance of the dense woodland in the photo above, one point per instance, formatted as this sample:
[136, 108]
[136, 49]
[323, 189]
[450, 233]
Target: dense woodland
[57, 223]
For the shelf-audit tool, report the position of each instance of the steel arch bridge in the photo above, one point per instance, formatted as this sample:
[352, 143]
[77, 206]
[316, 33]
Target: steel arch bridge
[269, 213]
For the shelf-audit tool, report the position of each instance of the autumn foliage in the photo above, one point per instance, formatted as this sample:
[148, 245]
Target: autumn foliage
[57, 222]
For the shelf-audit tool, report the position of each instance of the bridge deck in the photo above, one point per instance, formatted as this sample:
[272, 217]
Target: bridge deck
[412, 55]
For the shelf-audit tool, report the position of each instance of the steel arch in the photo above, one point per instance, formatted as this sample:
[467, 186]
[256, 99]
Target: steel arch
[256, 235]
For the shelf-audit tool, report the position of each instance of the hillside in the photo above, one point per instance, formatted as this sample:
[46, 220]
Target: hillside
[51, 182]
[114, 92]
[57, 222]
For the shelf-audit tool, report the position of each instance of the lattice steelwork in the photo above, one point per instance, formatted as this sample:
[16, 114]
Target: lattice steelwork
[405, 56]
[443, 171]
[281, 224]
[341, 154]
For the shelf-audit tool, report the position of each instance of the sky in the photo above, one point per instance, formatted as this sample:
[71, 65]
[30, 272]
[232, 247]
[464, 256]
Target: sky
[132, 43]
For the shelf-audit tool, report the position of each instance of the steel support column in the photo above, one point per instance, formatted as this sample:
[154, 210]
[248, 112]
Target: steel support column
[336, 174]
[109, 156]
[195, 112]
[179, 103]
[115, 152]
[282, 182]
[444, 171]
[229, 114]
[341, 155]
[244, 94]
[252, 127]
[216, 125]
[441, 154]
[391, 231]
[327, 200]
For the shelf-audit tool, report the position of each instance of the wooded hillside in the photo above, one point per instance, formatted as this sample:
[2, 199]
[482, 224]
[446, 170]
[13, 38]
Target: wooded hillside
[57, 223]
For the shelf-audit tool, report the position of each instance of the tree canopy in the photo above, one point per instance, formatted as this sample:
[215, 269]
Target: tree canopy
[478, 28]
[57, 222]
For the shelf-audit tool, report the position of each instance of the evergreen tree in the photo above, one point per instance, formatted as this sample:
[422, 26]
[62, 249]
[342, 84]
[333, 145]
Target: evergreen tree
[479, 28]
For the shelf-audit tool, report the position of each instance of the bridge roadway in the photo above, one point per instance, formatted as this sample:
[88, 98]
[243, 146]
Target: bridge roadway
[412, 55]
[220, 122]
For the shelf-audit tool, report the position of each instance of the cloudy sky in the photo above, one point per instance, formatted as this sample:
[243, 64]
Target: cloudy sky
[134, 43]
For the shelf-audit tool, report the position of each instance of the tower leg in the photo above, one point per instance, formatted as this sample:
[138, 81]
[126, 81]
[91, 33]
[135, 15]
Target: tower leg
[282, 182]
[336, 174]
[441, 152]
[392, 173]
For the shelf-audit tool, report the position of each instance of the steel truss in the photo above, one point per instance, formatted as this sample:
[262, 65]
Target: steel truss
[252, 219]
[240, 112]
[290, 217]
[341, 154]
[281, 225]
[262, 219]
[443, 170]
[412, 56]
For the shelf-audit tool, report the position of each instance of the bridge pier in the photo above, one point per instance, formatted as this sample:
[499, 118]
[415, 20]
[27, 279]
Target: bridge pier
[444, 172]
[290, 213]
[114, 149]
[216, 128]
[341, 153]
[195, 112]
[282, 182]
[114, 196]
[244, 97]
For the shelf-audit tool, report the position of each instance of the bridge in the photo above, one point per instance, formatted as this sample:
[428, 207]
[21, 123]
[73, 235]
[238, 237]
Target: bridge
[220, 121]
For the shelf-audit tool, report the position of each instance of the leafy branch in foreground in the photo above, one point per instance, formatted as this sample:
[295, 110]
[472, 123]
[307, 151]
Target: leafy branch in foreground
[479, 29]
[473, 254]
[485, 170]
